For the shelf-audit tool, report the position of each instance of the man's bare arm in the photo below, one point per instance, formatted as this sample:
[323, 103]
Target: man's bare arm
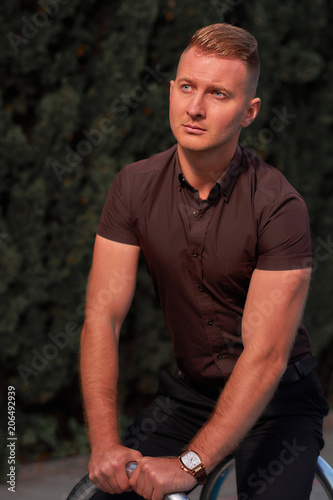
[109, 295]
[267, 346]
[268, 339]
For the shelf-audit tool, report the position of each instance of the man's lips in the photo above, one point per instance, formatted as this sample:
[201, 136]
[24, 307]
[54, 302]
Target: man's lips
[193, 129]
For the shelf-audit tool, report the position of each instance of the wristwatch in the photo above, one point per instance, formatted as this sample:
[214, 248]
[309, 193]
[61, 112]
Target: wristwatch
[192, 463]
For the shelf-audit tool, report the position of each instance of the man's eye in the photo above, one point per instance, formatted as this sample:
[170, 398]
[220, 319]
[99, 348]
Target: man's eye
[186, 87]
[218, 93]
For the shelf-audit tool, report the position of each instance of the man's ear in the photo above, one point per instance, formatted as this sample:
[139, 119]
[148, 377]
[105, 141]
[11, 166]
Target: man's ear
[251, 112]
[172, 82]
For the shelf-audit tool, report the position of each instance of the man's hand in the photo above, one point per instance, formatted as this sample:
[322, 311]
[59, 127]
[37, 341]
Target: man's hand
[155, 477]
[107, 468]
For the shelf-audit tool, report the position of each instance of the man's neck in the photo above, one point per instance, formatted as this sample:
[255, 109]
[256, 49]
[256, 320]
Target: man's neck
[202, 169]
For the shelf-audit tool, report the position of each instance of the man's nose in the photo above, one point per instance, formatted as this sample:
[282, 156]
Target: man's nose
[196, 108]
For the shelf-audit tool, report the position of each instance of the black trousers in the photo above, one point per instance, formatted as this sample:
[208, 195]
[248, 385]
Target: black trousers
[276, 460]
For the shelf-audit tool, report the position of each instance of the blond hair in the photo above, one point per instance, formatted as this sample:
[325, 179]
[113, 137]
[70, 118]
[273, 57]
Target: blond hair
[228, 41]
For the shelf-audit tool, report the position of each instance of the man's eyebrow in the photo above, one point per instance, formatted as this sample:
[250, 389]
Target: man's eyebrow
[186, 79]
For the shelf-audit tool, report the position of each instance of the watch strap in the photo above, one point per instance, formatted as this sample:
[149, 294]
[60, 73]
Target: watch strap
[200, 474]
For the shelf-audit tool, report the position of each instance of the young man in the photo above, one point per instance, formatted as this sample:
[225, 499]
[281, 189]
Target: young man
[226, 240]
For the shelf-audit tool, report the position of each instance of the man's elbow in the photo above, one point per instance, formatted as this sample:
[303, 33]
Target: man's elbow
[270, 364]
[277, 363]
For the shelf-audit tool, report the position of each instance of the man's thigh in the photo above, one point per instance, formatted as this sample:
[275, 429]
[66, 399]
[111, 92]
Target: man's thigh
[274, 460]
[277, 462]
[278, 457]
[171, 421]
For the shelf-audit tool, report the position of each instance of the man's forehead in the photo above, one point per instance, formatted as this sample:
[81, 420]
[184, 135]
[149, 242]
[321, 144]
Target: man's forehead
[209, 66]
[194, 56]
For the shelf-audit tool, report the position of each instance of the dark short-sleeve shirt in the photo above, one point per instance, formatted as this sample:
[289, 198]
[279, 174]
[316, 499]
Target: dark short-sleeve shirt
[201, 253]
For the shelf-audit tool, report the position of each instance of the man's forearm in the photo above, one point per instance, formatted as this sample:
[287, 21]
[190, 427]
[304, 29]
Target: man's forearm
[99, 376]
[261, 365]
[244, 398]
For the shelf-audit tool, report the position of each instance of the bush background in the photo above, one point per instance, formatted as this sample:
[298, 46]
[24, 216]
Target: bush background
[67, 68]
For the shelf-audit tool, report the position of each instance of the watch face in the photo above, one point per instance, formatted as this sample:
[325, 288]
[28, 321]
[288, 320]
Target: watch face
[191, 460]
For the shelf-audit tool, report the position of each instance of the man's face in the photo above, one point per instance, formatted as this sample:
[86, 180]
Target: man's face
[209, 101]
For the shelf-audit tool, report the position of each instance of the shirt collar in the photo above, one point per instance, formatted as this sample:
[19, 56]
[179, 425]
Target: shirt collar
[224, 185]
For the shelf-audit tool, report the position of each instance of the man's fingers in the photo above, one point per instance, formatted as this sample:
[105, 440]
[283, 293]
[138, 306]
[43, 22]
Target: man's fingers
[141, 480]
[109, 483]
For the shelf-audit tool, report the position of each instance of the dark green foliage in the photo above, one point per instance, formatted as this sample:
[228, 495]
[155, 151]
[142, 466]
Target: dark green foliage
[84, 91]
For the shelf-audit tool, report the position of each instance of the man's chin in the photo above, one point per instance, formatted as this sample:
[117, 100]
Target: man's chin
[195, 147]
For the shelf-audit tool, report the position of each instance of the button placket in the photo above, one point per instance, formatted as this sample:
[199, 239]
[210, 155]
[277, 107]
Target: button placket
[205, 301]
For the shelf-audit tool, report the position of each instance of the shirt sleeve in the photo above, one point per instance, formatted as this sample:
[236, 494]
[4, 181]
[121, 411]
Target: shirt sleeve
[284, 241]
[116, 221]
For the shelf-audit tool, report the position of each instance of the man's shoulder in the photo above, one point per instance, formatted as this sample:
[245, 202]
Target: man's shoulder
[267, 178]
[152, 165]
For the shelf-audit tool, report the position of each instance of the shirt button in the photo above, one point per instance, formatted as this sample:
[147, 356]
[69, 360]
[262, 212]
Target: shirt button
[195, 254]
[249, 268]
[195, 213]
[220, 356]
[201, 288]
[210, 322]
